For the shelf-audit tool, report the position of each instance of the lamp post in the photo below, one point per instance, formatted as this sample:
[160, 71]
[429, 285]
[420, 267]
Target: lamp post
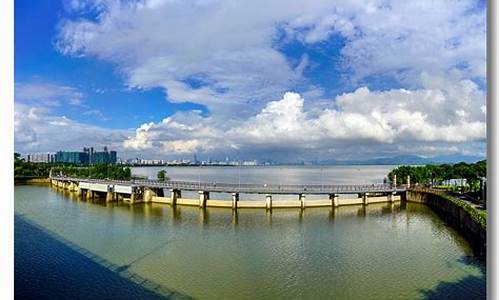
[321, 178]
[199, 178]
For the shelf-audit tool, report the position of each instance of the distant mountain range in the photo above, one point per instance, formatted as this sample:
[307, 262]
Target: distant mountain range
[405, 160]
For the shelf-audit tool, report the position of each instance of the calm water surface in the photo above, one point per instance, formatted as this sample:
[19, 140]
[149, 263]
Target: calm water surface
[270, 175]
[378, 252]
[274, 174]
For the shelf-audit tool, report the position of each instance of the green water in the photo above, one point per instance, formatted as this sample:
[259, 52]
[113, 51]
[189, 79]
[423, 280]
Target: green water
[378, 252]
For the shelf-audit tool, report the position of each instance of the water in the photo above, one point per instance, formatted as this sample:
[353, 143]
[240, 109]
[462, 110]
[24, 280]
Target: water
[271, 175]
[382, 251]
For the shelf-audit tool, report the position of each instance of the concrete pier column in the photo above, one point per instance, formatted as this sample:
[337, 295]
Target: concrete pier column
[135, 197]
[89, 194]
[204, 196]
[394, 181]
[335, 200]
[269, 202]
[390, 197]
[109, 196]
[235, 198]
[408, 181]
[149, 194]
[365, 199]
[302, 199]
[174, 195]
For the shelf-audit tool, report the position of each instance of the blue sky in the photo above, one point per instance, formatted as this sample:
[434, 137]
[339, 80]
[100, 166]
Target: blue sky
[322, 80]
[103, 90]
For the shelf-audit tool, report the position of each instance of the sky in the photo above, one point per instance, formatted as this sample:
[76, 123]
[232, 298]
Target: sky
[270, 80]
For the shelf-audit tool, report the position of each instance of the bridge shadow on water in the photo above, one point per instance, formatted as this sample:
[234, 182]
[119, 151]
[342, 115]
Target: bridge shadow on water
[46, 266]
[468, 288]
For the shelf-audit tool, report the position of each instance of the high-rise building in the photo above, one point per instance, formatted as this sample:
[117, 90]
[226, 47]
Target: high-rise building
[72, 157]
[46, 157]
[88, 156]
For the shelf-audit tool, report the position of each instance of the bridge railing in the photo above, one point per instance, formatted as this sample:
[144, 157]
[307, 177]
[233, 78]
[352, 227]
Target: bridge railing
[246, 187]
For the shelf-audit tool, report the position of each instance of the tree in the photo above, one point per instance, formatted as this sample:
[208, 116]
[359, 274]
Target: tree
[162, 175]
[440, 173]
[17, 157]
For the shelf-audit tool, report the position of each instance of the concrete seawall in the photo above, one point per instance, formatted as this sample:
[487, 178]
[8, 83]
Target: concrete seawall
[455, 215]
[275, 203]
[31, 180]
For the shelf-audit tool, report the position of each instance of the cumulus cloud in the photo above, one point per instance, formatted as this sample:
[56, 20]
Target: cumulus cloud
[226, 55]
[36, 129]
[47, 94]
[381, 120]
[230, 46]
[184, 132]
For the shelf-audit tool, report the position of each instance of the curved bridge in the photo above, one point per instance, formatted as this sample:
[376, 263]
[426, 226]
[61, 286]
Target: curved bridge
[154, 191]
[247, 188]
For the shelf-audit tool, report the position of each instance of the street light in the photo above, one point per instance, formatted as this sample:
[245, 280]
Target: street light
[199, 178]
[321, 178]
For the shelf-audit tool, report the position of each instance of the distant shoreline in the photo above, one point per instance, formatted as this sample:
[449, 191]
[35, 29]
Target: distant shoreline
[280, 165]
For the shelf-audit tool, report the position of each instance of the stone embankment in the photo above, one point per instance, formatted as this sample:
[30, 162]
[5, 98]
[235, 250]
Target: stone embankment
[470, 221]
[31, 180]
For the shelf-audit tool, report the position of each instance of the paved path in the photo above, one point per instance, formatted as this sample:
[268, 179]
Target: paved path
[249, 188]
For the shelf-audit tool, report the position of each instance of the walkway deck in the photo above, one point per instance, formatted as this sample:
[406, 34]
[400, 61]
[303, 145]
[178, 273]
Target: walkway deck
[247, 188]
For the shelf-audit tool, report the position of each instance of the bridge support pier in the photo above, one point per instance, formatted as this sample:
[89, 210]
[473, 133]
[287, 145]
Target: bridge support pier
[110, 197]
[204, 196]
[365, 199]
[135, 197]
[269, 201]
[390, 197]
[89, 194]
[174, 195]
[302, 199]
[235, 199]
[149, 194]
[335, 200]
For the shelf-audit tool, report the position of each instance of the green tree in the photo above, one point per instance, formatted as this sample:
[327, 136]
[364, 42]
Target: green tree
[441, 173]
[162, 175]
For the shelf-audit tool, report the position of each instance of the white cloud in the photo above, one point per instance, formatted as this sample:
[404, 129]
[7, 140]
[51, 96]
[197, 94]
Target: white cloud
[47, 94]
[368, 120]
[36, 129]
[224, 54]
[229, 45]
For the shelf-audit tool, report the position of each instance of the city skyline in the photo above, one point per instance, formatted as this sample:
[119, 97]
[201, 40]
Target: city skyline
[320, 81]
